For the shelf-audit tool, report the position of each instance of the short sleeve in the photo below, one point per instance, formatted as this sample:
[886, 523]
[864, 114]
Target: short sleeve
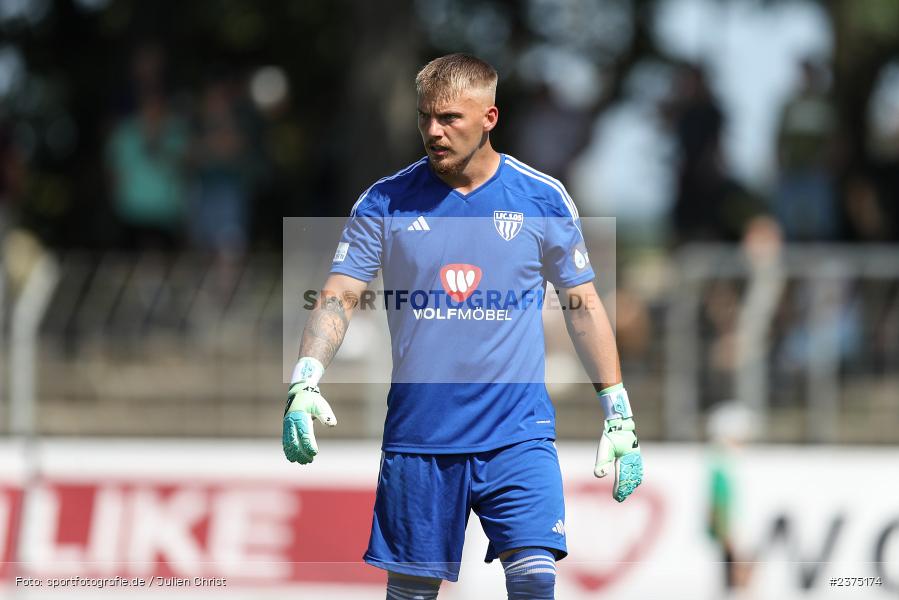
[566, 262]
[358, 252]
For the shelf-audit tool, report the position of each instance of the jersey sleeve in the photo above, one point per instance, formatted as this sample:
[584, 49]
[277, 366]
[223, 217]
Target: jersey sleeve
[566, 262]
[358, 252]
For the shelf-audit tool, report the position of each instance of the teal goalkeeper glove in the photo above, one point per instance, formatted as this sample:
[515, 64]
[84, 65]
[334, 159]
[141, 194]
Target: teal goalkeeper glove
[304, 403]
[619, 447]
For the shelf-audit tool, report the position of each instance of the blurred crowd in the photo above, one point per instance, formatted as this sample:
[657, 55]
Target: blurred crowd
[199, 168]
[183, 174]
[177, 148]
[195, 169]
[821, 191]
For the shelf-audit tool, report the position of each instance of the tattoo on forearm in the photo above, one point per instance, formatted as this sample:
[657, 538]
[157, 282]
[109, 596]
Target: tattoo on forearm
[325, 330]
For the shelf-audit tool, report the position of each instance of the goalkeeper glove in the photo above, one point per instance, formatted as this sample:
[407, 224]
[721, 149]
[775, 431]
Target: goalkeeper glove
[304, 403]
[619, 448]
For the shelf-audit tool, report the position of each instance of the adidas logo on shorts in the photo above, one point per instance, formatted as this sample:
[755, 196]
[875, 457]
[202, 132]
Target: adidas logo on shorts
[559, 527]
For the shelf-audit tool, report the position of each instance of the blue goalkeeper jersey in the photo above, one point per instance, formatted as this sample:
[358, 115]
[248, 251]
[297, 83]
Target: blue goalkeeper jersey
[464, 283]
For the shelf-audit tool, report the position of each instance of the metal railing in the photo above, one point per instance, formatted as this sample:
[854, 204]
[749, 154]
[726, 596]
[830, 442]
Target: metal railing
[149, 344]
[814, 328]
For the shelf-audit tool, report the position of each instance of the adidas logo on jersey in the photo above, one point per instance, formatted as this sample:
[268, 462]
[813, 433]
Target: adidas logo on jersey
[419, 225]
[559, 527]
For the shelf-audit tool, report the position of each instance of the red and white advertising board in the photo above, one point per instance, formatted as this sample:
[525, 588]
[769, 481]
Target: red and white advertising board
[189, 519]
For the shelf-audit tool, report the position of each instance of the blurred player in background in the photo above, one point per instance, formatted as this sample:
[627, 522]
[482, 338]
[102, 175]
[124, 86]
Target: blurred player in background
[469, 425]
[731, 425]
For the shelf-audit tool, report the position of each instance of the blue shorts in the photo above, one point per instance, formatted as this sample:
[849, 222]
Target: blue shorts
[424, 501]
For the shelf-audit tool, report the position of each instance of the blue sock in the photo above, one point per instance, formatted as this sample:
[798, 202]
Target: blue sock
[530, 574]
[399, 588]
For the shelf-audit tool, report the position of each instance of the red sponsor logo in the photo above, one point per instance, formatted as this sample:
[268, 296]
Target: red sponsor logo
[460, 280]
[645, 509]
[252, 532]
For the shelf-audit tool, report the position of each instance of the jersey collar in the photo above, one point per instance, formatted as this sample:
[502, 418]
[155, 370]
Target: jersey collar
[468, 196]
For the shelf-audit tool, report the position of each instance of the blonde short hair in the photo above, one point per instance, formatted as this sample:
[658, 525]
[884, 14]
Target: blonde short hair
[448, 76]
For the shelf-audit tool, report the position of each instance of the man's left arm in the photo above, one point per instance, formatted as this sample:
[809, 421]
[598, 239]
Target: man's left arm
[591, 333]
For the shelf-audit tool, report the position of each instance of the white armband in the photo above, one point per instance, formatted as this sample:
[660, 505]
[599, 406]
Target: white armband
[615, 403]
[308, 370]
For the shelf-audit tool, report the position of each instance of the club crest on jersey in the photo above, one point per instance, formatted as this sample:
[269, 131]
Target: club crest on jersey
[507, 224]
[460, 280]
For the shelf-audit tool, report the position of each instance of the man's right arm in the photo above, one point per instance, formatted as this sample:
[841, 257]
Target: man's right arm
[328, 322]
[322, 336]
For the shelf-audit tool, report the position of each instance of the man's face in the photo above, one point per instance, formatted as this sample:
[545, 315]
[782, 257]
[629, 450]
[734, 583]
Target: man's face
[453, 129]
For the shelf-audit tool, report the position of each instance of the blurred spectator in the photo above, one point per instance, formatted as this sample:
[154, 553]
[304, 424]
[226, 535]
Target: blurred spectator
[866, 219]
[221, 177]
[633, 328]
[730, 426]
[805, 201]
[147, 78]
[841, 325]
[721, 307]
[702, 181]
[286, 158]
[545, 118]
[873, 205]
[145, 156]
[12, 176]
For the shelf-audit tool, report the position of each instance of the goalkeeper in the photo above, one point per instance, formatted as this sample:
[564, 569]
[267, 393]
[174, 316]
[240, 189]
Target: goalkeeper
[470, 426]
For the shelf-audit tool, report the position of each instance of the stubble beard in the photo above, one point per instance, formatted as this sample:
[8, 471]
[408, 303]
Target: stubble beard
[451, 167]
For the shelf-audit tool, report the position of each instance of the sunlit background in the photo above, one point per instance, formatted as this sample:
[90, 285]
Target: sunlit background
[748, 151]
